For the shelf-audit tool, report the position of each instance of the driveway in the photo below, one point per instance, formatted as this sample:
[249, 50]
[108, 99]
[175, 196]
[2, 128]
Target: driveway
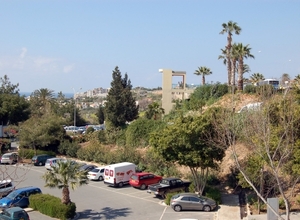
[99, 201]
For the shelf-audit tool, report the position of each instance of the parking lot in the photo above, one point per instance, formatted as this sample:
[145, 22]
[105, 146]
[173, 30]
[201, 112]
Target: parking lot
[99, 201]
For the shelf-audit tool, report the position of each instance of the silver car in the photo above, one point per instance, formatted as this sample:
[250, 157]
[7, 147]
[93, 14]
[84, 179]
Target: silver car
[192, 201]
[53, 162]
[6, 186]
[9, 158]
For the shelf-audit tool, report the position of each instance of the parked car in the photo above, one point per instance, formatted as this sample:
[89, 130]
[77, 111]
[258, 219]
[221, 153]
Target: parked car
[40, 160]
[52, 162]
[9, 158]
[142, 180]
[14, 213]
[87, 167]
[6, 186]
[168, 185]
[192, 201]
[19, 197]
[96, 174]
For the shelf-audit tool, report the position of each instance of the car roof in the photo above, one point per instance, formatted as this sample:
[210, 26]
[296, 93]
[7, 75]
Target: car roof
[142, 174]
[171, 178]
[13, 209]
[5, 181]
[55, 158]
[9, 153]
[26, 188]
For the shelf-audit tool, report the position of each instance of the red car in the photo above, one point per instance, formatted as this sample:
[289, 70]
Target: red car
[142, 180]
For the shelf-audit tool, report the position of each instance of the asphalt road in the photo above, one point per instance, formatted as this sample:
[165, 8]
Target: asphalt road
[99, 201]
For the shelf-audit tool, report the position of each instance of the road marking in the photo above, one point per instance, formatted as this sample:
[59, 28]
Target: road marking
[162, 214]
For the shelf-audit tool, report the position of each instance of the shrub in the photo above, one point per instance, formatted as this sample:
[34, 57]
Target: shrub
[250, 89]
[169, 196]
[68, 148]
[29, 153]
[213, 193]
[89, 130]
[52, 206]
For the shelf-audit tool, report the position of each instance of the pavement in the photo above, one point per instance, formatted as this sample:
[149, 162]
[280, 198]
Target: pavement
[228, 210]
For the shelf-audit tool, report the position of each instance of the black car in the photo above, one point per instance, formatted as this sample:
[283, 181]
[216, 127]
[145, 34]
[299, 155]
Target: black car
[40, 160]
[87, 167]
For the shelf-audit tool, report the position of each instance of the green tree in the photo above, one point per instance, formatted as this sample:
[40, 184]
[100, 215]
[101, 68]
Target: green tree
[40, 132]
[243, 52]
[203, 71]
[100, 115]
[154, 111]
[41, 101]
[13, 107]
[7, 87]
[120, 106]
[255, 78]
[285, 78]
[230, 28]
[187, 142]
[63, 176]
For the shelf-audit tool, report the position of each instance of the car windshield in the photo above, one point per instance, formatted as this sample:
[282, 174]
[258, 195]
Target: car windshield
[5, 156]
[95, 170]
[134, 177]
[166, 182]
[12, 195]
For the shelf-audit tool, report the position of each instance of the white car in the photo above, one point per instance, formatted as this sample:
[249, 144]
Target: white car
[9, 158]
[52, 162]
[6, 186]
[96, 174]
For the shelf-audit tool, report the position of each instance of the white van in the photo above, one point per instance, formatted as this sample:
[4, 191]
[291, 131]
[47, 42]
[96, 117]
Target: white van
[118, 174]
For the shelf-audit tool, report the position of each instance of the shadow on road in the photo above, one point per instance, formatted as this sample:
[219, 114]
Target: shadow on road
[106, 213]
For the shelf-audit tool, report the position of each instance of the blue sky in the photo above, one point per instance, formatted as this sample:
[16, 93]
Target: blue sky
[67, 45]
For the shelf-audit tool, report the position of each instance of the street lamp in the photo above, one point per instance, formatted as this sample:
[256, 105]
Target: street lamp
[75, 104]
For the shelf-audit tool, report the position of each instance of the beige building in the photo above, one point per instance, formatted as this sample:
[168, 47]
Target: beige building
[171, 92]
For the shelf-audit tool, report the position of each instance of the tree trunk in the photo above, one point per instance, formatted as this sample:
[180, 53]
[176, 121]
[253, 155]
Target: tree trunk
[65, 195]
[240, 74]
[203, 79]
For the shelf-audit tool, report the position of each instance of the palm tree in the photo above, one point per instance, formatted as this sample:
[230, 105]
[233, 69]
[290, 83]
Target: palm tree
[230, 28]
[154, 110]
[256, 77]
[42, 100]
[297, 80]
[243, 53]
[204, 71]
[66, 174]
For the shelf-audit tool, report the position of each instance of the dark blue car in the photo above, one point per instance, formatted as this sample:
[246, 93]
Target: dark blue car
[19, 197]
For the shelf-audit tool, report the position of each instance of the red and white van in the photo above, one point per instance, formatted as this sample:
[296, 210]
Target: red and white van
[119, 174]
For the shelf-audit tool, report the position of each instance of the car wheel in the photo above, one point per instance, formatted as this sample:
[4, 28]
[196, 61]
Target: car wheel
[40, 164]
[206, 208]
[143, 186]
[100, 178]
[177, 208]
[120, 184]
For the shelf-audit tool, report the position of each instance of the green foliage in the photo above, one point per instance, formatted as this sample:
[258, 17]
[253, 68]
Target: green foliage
[169, 196]
[281, 203]
[265, 91]
[51, 206]
[188, 142]
[138, 132]
[5, 144]
[68, 148]
[100, 115]
[90, 130]
[154, 111]
[39, 132]
[25, 153]
[250, 89]
[120, 106]
[213, 193]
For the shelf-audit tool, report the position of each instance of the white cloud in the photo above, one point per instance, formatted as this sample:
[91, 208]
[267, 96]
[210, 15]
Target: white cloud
[41, 61]
[68, 68]
[23, 53]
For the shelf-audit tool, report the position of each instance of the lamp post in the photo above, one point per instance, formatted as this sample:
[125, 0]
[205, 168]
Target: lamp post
[75, 104]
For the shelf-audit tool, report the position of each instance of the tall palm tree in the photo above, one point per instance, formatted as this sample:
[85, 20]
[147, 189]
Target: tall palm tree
[204, 71]
[63, 176]
[234, 59]
[42, 100]
[243, 52]
[256, 77]
[230, 28]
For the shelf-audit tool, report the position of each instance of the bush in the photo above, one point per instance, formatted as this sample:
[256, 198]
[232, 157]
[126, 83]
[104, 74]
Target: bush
[52, 206]
[29, 153]
[250, 89]
[89, 130]
[68, 148]
[213, 193]
[169, 196]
